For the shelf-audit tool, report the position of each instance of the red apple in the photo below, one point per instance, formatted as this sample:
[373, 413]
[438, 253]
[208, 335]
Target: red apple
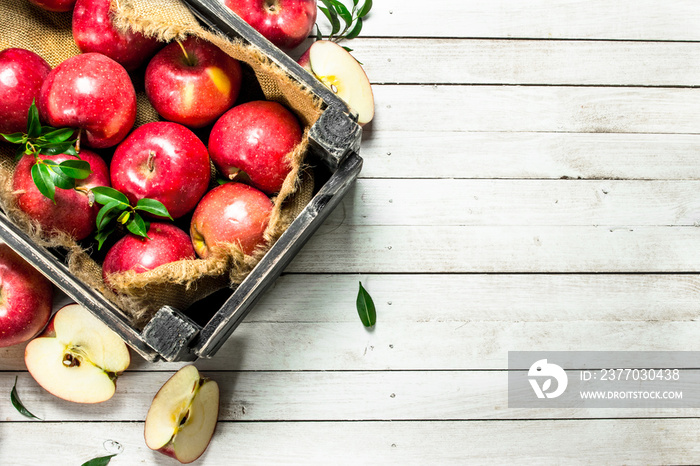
[93, 31]
[91, 92]
[72, 212]
[285, 23]
[22, 73]
[162, 161]
[341, 73]
[252, 140]
[165, 243]
[60, 6]
[25, 299]
[192, 83]
[232, 213]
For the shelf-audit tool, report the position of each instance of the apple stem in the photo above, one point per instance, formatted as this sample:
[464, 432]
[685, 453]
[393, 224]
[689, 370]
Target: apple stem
[151, 164]
[77, 140]
[188, 60]
[88, 193]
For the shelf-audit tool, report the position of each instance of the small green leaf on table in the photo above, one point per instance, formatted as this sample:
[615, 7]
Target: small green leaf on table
[14, 397]
[365, 307]
[100, 461]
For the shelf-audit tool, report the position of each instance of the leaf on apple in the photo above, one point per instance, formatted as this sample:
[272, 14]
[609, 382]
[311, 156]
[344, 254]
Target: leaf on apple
[14, 397]
[45, 140]
[365, 307]
[39, 139]
[116, 206]
[152, 207]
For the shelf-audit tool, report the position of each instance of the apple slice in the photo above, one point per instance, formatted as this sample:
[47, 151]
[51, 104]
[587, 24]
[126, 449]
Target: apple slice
[342, 74]
[182, 417]
[77, 358]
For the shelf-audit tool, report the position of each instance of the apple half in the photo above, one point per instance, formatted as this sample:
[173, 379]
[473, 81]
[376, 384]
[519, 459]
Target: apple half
[182, 417]
[342, 74]
[78, 357]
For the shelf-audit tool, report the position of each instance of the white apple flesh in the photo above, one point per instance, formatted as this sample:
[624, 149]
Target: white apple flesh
[182, 417]
[342, 74]
[78, 357]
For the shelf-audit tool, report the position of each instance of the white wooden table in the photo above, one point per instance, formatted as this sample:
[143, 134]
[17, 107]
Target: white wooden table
[531, 182]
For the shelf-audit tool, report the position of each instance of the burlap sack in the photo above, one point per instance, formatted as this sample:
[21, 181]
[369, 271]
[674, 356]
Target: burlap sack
[180, 283]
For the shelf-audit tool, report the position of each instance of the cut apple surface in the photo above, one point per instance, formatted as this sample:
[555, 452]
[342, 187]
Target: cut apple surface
[77, 358]
[182, 417]
[342, 74]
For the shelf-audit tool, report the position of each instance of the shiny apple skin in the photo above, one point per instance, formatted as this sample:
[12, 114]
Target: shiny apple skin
[92, 92]
[72, 212]
[165, 243]
[177, 175]
[192, 91]
[93, 31]
[22, 72]
[285, 23]
[232, 213]
[58, 6]
[25, 299]
[255, 137]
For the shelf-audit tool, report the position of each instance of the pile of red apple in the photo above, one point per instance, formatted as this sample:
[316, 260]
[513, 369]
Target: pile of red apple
[191, 84]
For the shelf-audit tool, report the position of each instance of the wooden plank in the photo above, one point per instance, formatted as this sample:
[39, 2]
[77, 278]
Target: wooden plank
[518, 442]
[541, 19]
[495, 249]
[535, 108]
[489, 298]
[483, 61]
[519, 202]
[422, 345]
[321, 396]
[435, 154]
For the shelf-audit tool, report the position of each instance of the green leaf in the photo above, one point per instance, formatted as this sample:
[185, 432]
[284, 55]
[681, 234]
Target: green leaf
[107, 213]
[58, 135]
[347, 49]
[60, 180]
[365, 9]
[77, 169]
[105, 194]
[342, 11]
[14, 397]
[365, 307]
[58, 148]
[15, 138]
[99, 461]
[137, 226]
[124, 217]
[319, 36]
[101, 236]
[332, 17]
[354, 4]
[33, 123]
[20, 152]
[153, 207]
[355, 30]
[41, 175]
